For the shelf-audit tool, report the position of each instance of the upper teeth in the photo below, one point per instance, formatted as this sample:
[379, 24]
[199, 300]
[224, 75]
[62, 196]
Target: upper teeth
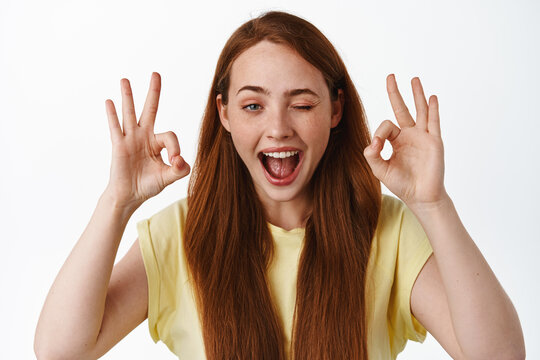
[282, 154]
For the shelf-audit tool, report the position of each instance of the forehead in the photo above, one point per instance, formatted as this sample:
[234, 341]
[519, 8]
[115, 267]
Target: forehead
[275, 67]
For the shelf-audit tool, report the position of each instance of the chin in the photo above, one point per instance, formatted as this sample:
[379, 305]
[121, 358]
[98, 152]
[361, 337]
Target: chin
[268, 192]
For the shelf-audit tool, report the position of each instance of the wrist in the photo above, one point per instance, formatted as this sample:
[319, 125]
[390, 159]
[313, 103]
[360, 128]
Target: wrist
[438, 207]
[119, 207]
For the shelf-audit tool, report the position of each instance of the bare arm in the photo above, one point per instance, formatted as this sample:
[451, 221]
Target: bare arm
[72, 315]
[86, 311]
[456, 295]
[457, 290]
[126, 304]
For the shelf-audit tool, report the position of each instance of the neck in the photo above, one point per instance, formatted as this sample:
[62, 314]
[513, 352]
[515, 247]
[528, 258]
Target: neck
[289, 214]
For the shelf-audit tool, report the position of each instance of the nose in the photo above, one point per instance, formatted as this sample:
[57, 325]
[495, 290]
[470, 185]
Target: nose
[278, 125]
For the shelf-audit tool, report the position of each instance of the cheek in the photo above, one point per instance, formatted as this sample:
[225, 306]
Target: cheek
[245, 138]
[316, 132]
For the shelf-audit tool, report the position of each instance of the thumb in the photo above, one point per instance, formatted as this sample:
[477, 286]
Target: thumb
[372, 153]
[178, 169]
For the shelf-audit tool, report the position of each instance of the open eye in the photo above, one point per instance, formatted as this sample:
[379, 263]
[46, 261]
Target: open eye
[252, 107]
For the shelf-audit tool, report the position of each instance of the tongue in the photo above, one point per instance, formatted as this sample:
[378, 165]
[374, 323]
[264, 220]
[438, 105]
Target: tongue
[280, 168]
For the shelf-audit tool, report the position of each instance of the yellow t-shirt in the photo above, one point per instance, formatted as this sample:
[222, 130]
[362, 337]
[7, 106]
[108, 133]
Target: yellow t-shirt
[399, 250]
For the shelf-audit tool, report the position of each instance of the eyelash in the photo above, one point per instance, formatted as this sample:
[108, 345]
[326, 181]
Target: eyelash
[247, 106]
[302, 108]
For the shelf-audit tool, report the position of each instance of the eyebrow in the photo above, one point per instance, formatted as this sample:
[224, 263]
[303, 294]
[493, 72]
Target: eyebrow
[288, 93]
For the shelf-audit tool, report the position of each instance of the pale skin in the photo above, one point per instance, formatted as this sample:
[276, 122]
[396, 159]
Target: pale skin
[456, 295]
[278, 99]
[91, 304]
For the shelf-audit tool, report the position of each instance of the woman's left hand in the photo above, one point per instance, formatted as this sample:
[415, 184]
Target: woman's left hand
[415, 171]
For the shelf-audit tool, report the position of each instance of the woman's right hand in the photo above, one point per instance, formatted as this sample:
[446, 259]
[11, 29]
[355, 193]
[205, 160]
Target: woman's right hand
[137, 169]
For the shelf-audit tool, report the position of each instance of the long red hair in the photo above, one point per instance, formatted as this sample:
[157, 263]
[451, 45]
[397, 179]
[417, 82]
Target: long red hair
[229, 246]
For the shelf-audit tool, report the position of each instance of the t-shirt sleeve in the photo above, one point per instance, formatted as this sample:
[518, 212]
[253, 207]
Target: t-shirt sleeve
[413, 251]
[159, 240]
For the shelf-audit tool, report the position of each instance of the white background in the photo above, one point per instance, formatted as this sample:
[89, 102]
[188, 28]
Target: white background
[60, 61]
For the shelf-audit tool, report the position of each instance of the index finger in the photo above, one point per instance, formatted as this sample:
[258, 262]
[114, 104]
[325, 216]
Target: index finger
[148, 116]
[401, 111]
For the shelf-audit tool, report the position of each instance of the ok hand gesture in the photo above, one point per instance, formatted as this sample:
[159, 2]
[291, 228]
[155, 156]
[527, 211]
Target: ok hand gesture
[415, 171]
[137, 169]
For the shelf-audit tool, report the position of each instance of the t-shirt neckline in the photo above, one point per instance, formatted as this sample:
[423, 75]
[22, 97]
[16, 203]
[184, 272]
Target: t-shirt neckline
[278, 230]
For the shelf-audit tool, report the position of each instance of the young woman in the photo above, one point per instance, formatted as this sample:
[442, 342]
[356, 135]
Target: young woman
[285, 246]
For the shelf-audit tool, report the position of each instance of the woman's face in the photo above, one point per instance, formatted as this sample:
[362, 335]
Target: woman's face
[279, 115]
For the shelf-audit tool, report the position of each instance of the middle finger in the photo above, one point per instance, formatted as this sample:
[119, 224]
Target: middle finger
[129, 119]
[401, 111]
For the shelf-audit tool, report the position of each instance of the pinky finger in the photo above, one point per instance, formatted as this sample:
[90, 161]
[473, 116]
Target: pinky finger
[114, 124]
[434, 123]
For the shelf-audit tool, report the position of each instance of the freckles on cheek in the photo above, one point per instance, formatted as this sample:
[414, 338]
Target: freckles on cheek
[240, 130]
[316, 127]
[244, 137]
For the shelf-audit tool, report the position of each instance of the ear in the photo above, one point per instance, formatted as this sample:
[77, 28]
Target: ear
[337, 109]
[222, 111]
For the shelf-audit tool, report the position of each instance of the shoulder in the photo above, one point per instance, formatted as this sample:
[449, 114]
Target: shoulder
[163, 230]
[178, 207]
[160, 239]
[396, 218]
[390, 216]
[174, 213]
[399, 236]
[386, 237]
[399, 250]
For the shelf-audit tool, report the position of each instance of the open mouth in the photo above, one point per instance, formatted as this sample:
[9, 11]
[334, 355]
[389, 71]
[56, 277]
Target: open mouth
[281, 168]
